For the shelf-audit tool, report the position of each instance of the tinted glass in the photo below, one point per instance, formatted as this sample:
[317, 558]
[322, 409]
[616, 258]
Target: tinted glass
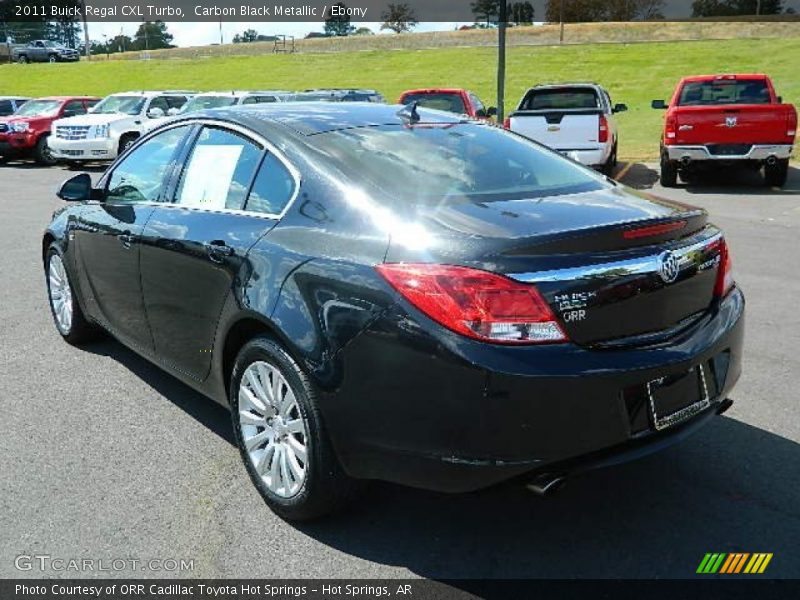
[6, 108]
[219, 170]
[272, 189]
[448, 102]
[724, 92]
[566, 98]
[74, 107]
[140, 176]
[455, 162]
[129, 105]
[38, 107]
[159, 102]
[204, 102]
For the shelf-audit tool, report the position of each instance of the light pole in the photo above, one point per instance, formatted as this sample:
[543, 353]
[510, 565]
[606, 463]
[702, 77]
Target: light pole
[86, 42]
[501, 60]
[561, 20]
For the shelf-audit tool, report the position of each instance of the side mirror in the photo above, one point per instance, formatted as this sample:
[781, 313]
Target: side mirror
[659, 104]
[780, 99]
[155, 113]
[173, 111]
[481, 113]
[76, 189]
[618, 108]
[492, 112]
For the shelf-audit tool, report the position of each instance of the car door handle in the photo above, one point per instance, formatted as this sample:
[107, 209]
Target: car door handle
[126, 240]
[217, 249]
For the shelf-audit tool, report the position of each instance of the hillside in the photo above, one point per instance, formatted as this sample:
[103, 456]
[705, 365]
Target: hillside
[634, 73]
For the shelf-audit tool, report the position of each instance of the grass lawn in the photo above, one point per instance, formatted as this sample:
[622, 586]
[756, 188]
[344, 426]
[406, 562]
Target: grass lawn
[633, 73]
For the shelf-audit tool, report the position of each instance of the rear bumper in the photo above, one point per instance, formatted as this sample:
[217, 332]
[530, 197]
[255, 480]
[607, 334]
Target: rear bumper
[756, 152]
[454, 415]
[595, 157]
[88, 149]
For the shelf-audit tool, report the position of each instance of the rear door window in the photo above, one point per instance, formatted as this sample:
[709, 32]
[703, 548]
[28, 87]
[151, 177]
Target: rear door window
[6, 108]
[273, 187]
[219, 170]
[74, 108]
[702, 93]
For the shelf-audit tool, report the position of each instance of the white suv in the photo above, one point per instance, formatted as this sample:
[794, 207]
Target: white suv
[112, 125]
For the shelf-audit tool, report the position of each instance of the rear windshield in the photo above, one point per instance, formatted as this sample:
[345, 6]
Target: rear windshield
[129, 105]
[37, 108]
[203, 102]
[454, 162]
[440, 101]
[563, 98]
[702, 93]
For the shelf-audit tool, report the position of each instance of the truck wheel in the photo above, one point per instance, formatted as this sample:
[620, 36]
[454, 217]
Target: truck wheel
[43, 154]
[125, 142]
[52, 58]
[608, 168]
[775, 175]
[22, 59]
[669, 172]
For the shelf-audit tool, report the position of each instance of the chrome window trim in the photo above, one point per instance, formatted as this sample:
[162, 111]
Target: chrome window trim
[248, 133]
[616, 269]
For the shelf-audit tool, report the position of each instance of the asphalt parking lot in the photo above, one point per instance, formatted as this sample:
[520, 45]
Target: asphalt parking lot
[104, 456]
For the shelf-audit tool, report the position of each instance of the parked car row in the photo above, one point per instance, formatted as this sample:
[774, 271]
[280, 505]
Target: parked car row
[711, 120]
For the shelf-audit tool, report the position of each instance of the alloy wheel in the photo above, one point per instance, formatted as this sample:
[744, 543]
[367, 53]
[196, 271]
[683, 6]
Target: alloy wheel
[274, 432]
[60, 294]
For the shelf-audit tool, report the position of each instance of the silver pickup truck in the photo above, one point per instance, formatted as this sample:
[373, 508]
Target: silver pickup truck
[44, 51]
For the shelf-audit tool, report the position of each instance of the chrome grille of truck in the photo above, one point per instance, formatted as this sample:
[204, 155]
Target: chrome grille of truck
[72, 132]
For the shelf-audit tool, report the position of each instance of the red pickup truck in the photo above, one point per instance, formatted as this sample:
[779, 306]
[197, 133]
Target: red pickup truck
[25, 132]
[455, 100]
[726, 119]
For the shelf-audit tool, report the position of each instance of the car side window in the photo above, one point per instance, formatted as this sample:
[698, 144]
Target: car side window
[6, 108]
[219, 170]
[273, 188]
[476, 102]
[140, 176]
[176, 101]
[159, 102]
[73, 108]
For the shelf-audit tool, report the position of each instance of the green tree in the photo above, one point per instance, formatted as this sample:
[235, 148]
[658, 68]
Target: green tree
[486, 11]
[363, 31]
[152, 35]
[729, 8]
[339, 24]
[521, 13]
[247, 36]
[399, 18]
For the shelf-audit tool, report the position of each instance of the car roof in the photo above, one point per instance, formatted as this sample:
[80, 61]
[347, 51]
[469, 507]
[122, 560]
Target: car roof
[244, 93]
[435, 91]
[732, 76]
[67, 98]
[14, 98]
[153, 93]
[569, 84]
[310, 118]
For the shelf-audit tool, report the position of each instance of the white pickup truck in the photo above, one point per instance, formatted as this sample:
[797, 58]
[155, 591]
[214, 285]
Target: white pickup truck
[112, 125]
[576, 119]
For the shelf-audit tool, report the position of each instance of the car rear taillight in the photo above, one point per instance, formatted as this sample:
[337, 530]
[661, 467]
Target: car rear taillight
[791, 125]
[724, 281]
[477, 304]
[670, 129]
[507, 123]
[602, 133]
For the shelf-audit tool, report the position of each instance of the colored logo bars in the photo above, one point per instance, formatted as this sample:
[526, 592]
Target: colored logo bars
[737, 562]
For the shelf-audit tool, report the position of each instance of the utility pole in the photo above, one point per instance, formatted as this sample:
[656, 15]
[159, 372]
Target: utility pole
[501, 60]
[86, 43]
[220, 32]
[758, 7]
[561, 20]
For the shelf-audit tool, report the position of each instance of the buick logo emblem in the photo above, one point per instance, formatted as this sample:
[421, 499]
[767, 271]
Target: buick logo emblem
[730, 121]
[668, 267]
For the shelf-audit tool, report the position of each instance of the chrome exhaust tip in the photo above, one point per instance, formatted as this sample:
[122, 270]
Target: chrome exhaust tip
[546, 484]
[772, 160]
[685, 160]
[724, 406]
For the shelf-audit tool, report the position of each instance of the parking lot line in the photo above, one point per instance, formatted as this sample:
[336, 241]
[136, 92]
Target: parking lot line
[623, 171]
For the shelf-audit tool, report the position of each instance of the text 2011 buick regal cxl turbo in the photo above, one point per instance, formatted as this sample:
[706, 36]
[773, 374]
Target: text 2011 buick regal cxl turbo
[401, 294]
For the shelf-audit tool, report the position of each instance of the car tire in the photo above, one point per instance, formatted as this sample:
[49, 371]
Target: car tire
[611, 163]
[125, 142]
[42, 153]
[68, 317]
[52, 58]
[279, 435]
[776, 175]
[669, 172]
[74, 165]
[22, 59]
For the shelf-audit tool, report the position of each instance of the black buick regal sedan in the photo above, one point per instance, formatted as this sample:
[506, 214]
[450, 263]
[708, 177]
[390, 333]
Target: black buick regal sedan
[381, 292]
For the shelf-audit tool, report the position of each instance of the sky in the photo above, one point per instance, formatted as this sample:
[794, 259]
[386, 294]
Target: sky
[201, 34]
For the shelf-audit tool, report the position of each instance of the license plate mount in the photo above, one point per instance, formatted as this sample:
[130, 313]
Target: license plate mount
[677, 397]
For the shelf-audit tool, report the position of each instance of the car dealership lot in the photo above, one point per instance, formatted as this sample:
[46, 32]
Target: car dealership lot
[104, 456]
